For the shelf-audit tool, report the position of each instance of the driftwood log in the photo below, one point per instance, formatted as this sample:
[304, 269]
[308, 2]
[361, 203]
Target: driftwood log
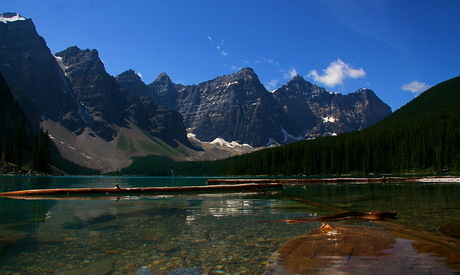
[141, 190]
[371, 216]
[310, 180]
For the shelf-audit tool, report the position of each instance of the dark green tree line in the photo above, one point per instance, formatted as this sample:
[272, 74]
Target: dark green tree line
[41, 155]
[422, 136]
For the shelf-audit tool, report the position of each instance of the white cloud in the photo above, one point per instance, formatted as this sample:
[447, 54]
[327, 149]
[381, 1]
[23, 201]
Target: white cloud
[233, 67]
[219, 47]
[415, 87]
[272, 84]
[289, 74]
[139, 74]
[271, 61]
[336, 73]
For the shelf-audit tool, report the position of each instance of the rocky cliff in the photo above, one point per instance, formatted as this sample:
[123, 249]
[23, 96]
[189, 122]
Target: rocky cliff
[333, 113]
[92, 120]
[234, 107]
[101, 121]
[35, 77]
[237, 107]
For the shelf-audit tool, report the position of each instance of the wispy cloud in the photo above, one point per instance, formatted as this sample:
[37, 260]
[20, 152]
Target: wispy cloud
[289, 74]
[271, 61]
[219, 47]
[272, 84]
[415, 87]
[336, 73]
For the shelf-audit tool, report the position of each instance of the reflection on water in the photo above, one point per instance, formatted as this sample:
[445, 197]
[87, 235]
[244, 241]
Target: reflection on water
[213, 233]
[230, 233]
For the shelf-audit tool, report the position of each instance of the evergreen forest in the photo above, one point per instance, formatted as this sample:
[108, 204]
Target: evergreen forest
[422, 136]
[17, 143]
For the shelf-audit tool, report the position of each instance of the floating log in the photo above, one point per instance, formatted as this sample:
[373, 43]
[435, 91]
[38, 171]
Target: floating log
[304, 181]
[370, 216]
[141, 190]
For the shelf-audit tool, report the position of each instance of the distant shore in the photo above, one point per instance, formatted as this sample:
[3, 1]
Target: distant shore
[10, 169]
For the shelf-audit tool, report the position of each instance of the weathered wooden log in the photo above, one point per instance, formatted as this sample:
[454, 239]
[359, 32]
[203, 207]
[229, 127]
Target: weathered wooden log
[305, 181]
[140, 190]
[371, 216]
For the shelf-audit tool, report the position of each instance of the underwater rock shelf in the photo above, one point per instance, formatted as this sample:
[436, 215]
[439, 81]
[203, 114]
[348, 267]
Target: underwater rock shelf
[142, 190]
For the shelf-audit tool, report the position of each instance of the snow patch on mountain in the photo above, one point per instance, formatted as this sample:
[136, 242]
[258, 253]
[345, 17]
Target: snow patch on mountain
[290, 138]
[10, 17]
[232, 83]
[221, 142]
[329, 119]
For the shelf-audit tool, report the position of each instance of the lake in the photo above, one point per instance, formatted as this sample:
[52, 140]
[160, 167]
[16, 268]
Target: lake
[228, 233]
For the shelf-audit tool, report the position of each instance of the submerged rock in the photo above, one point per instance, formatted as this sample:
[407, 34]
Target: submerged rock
[144, 271]
[364, 250]
[186, 271]
[102, 267]
[451, 229]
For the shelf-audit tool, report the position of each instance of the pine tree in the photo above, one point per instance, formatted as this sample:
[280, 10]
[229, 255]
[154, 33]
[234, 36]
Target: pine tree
[41, 156]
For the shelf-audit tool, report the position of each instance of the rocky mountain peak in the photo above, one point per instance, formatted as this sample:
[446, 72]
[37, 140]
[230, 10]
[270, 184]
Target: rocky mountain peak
[365, 91]
[247, 74]
[75, 55]
[129, 76]
[95, 88]
[299, 85]
[29, 67]
[237, 107]
[132, 82]
[163, 79]
[297, 78]
[247, 71]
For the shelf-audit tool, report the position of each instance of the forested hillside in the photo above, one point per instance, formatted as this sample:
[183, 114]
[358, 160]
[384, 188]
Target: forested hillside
[422, 136]
[15, 130]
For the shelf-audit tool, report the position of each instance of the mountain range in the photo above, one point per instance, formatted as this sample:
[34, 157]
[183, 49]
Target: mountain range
[100, 121]
[237, 107]
[420, 137]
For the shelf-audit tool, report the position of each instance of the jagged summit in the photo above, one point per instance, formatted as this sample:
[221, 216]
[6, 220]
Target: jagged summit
[246, 70]
[128, 75]
[163, 78]
[76, 52]
[132, 82]
[238, 107]
[299, 84]
[297, 77]
[11, 17]
[246, 73]
[365, 91]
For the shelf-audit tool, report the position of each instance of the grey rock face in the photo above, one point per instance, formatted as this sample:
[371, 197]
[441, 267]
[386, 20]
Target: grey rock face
[238, 107]
[110, 104]
[36, 77]
[73, 88]
[335, 113]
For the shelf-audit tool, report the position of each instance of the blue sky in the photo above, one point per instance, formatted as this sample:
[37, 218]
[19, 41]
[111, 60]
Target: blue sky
[396, 48]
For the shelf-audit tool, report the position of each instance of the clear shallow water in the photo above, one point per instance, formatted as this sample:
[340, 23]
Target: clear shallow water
[195, 233]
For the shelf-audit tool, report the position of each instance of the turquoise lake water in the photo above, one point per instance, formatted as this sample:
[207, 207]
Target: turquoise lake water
[229, 233]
